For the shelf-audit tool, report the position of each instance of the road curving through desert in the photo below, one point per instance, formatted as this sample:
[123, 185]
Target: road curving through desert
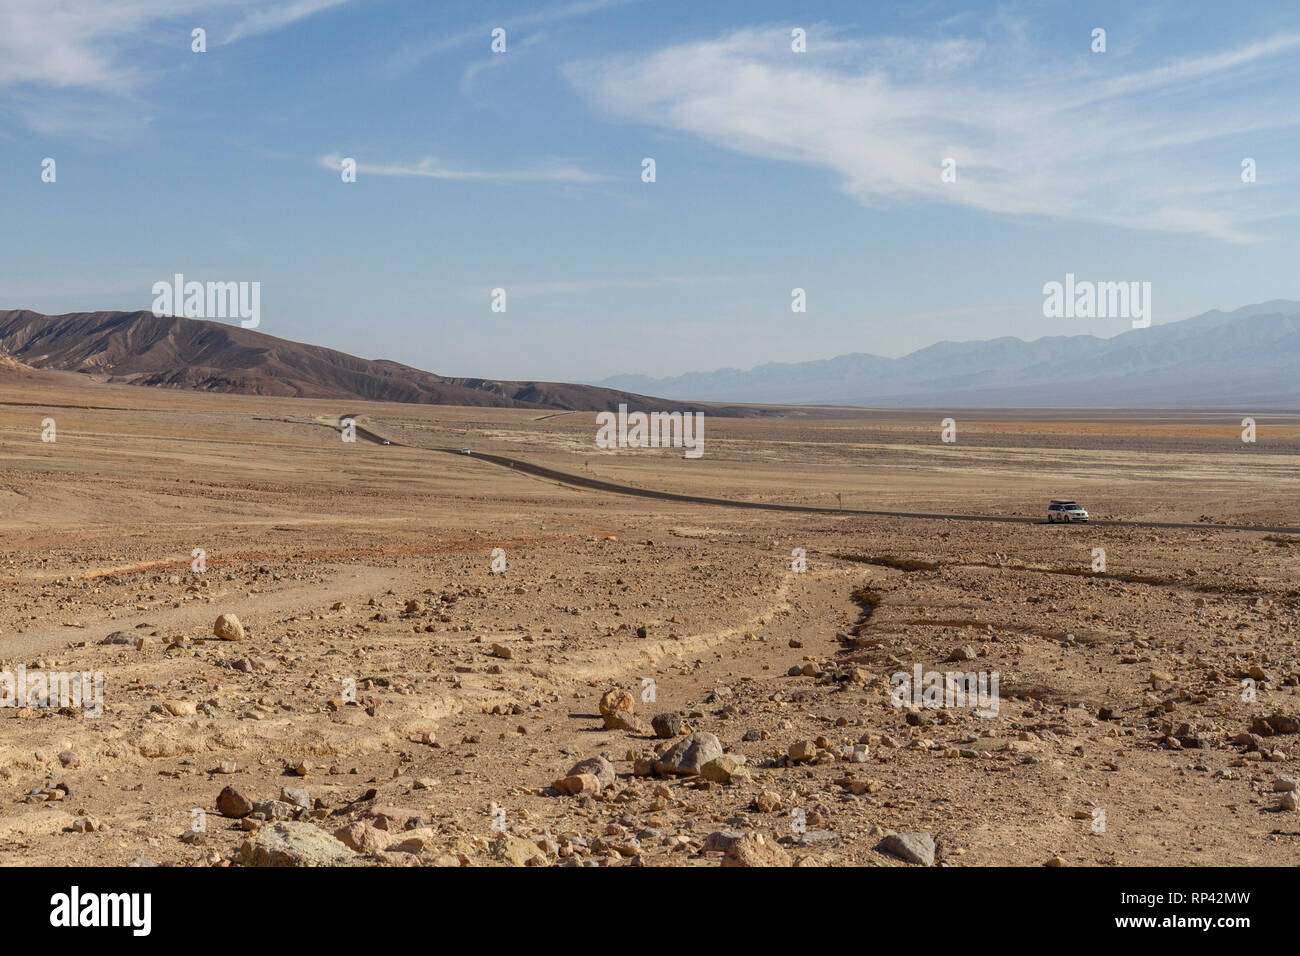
[596, 484]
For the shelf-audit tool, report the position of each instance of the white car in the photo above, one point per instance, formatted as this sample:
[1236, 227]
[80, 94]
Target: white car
[1066, 510]
[464, 451]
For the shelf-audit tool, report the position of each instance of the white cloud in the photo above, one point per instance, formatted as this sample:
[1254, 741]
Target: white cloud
[412, 54]
[85, 43]
[275, 16]
[431, 168]
[1089, 140]
[72, 66]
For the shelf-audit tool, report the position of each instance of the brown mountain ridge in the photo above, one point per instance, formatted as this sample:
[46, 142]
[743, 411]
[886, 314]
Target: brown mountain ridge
[140, 348]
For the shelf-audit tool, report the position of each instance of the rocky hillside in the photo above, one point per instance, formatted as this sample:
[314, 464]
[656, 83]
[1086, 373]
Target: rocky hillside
[139, 348]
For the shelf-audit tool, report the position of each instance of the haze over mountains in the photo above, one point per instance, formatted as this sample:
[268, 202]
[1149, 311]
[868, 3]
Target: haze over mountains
[139, 348]
[1250, 356]
[1246, 358]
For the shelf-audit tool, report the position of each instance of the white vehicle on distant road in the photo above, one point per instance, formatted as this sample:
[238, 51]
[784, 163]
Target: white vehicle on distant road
[1065, 510]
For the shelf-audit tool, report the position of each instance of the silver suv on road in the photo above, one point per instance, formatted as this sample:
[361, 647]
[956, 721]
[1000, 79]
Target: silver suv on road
[1065, 510]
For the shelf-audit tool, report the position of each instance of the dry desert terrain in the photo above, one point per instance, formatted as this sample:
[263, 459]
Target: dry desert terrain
[394, 700]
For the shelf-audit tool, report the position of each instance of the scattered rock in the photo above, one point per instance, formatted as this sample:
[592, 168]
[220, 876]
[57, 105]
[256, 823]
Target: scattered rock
[293, 844]
[275, 810]
[802, 751]
[362, 837]
[232, 803]
[297, 796]
[228, 628]
[666, 725]
[515, 851]
[414, 841]
[725, 769]
[616, 700]
[689, 755]
[721, 840]
[392, 818]
[622, 720]
[753, 850]
[1275, 724]
[577, 784]
[598, 767]
[912, 847]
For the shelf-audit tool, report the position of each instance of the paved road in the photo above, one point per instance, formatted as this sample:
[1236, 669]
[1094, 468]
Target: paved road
[596, 484]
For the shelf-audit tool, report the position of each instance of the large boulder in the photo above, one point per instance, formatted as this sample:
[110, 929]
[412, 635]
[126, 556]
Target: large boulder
[516, 851]
[912, 847]
[616, 700]
[598, 767]
[622, 720]
[725, 769]
[753, 850]
[577, 784]
[294, 844]
[667, 725]
[689, 755]
[228, 628]
[232, 803]
[362, 837]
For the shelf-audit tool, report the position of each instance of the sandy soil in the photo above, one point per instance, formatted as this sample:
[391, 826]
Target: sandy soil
[1121, 733]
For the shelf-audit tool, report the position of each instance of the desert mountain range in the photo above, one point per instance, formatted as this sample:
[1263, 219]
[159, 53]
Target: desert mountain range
[1248, 357]
[139, 348]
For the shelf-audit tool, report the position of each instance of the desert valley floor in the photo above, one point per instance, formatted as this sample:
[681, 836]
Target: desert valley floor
[1124, 734]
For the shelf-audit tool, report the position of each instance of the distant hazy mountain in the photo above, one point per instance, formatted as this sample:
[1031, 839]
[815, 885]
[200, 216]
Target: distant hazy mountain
[1247, 357]
[139, 348]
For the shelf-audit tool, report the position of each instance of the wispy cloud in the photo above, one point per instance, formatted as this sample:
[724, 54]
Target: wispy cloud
[414, 53]
[83, 42]
[431, 168]
[472, 71]
[1089, 140]
[73, 66]
[275, 16]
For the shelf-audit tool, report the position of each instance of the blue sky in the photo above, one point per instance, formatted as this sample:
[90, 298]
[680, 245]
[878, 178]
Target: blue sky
[522, 170]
